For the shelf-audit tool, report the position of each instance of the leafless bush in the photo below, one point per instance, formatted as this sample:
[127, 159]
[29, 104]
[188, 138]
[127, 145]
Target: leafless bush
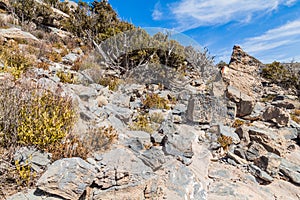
[101, 138]
[130, 49]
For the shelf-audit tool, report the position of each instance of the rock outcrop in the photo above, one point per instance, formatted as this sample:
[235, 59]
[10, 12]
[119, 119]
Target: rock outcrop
[243, 73]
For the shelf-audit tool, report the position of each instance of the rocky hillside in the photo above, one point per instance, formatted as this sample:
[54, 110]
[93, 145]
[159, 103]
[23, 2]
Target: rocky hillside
[84, 117]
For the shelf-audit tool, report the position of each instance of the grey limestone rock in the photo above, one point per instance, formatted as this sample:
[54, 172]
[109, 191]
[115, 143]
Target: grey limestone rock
[270, 163]
[290, 170]
[37, 158]
[259, 173]
[245, 104]
[33, 194]
[67, 178]
[181, 184]
[255, 151]
[121, 168]
[276, 115]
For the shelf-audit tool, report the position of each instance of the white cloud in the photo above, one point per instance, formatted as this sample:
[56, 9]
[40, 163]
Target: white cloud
[290, 2]
[191, 14]
[279, 42]
[157, 14]
[283, 35]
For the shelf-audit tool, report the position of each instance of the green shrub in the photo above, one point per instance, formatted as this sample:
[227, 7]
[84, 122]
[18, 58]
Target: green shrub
[280, 75]
[32, 117]
[15, 61]
[66, 77]
[45, 120]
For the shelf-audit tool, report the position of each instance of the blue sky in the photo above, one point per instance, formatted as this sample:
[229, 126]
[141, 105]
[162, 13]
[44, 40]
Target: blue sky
[266, 29]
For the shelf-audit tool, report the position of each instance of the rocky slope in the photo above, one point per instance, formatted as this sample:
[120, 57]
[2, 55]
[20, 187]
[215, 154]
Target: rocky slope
[187, 156]
[235, 137]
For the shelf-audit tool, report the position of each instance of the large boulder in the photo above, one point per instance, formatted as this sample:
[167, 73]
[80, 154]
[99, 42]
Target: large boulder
[67, 178]
[276, 115]
[198, 111]
[244, 102]
[269, 139]
[206, 109]
[243, 62]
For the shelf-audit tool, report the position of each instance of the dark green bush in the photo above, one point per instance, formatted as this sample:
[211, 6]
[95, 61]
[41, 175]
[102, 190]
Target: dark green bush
[281, 75]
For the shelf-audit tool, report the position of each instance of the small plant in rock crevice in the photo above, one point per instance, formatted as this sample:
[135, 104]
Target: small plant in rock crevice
[112, 82]
[71, 146]
[66, 77]
[225, 142]
[153, 100]
[142, 123]
[156, 117]
[268, 98]
[295, 116]
[237, 123]
[25, 175]
[101, 138]
[54, 56]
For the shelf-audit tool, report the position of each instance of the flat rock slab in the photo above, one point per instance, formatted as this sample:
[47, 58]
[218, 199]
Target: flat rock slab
[182, 183]
[120, 168]
[14, 33]
[67, 178]
[179, 144]
[33, 195]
